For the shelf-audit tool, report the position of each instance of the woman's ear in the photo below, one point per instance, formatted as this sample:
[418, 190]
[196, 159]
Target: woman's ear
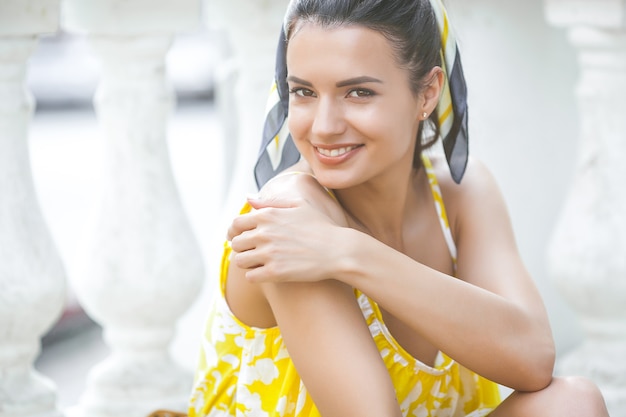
[432, 90]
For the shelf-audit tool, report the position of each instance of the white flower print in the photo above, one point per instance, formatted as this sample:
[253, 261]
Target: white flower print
[251, 402]
[263, 370]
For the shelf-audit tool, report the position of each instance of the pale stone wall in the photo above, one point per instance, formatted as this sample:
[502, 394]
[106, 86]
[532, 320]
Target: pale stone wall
[521, 75]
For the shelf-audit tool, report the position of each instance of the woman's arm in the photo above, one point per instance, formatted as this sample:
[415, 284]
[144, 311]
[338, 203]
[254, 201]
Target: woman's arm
[332, 349]
[506, 339]
[321, 323]
[492, 319]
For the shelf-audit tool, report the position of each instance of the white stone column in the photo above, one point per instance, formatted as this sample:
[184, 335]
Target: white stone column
[587, 255]
[141, 264]
[32, 275]
[252, 28]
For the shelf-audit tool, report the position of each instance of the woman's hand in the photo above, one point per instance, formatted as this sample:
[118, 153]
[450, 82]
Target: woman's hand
[286, 239]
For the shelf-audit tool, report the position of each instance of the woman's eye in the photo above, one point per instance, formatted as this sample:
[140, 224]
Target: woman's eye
[360, 92]
[302, 92]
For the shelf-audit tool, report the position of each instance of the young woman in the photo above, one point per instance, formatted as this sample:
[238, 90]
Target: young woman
[369, 281]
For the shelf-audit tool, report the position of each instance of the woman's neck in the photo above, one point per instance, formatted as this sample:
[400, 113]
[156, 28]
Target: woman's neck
[381, 207]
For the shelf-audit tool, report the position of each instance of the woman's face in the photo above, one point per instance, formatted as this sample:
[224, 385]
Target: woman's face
[352, 113]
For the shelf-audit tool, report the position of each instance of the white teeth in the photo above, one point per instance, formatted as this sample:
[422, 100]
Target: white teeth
[335, 152]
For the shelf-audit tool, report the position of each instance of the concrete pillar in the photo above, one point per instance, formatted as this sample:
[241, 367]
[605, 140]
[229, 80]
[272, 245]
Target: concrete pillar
[252, 30]
[141, 266]
[32, 275]
[587, 254]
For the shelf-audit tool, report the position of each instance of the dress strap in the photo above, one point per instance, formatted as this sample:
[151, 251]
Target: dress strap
[225, 263]
[439, 206]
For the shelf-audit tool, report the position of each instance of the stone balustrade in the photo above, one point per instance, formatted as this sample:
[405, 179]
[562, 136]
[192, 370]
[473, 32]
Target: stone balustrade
[587, 255]
[252, 29]
[141, 265]
[32, 274]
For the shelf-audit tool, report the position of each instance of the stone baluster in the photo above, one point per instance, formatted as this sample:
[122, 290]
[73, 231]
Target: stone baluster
[141, 265]
[32, 275]
[587, 255]
[252, 30]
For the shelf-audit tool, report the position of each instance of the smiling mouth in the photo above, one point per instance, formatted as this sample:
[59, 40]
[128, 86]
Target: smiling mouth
[333, 153]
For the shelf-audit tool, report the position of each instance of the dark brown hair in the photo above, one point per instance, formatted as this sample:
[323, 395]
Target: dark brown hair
[410, 26]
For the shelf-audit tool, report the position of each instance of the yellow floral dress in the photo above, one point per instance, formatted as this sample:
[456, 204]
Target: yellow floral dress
[247, 371]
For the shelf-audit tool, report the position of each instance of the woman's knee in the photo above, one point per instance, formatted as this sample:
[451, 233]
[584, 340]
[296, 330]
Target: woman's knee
[579, 390]
[563, 397]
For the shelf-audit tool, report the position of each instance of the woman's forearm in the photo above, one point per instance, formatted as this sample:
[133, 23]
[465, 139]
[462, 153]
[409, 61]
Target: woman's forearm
[485, 332]
[330, 345]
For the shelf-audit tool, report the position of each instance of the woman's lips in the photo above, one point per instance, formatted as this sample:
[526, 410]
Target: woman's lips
[335, 155]
[332, 153]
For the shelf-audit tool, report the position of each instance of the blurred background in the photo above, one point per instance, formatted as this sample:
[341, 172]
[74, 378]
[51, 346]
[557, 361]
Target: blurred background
[66, 155]
[516, 78]
[522, 74]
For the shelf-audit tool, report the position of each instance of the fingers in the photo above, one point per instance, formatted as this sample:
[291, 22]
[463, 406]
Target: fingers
[241, 224]
[258, 202]
[250, 221]
[240, 244]
[246, 260]
[257, 275]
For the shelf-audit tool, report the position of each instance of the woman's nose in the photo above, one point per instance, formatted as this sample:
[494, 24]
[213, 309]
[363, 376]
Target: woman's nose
[329, 118]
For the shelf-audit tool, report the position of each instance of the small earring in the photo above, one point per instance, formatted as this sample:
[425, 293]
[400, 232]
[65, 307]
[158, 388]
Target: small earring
[425, 115]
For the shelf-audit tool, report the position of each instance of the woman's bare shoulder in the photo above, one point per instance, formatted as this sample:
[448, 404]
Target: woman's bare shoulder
[478, 191]
[298, 182]
[476, 174]
[477, 180]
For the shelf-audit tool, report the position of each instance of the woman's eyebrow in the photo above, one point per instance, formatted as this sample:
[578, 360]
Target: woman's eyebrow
[358, 80]
[345, 83]
[299, 81]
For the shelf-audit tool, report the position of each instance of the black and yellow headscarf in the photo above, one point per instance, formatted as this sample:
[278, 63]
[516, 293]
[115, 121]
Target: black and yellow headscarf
[279, 152]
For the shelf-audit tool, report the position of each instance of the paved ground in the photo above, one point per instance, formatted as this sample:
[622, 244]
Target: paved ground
[67, 361]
